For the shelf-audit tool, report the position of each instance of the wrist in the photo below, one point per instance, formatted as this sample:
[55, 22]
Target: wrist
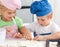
[46, 37]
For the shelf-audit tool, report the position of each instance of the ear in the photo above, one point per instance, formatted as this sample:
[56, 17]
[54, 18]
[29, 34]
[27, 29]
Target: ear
[51, 15]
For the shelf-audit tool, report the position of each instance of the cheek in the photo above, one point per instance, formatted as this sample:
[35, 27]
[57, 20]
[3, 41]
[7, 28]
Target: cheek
[40, 22]
[46, 22]
[5, 15]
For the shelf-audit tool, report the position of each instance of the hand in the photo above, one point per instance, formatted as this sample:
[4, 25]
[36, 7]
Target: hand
[8, 29]
[27, 36]
[17, 35]
[37, 38]
[26, 33]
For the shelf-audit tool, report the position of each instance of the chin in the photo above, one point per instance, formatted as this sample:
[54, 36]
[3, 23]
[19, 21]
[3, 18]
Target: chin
[9, 19]
[43, 25]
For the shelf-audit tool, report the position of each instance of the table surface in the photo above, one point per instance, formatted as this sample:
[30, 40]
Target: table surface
[24, 43]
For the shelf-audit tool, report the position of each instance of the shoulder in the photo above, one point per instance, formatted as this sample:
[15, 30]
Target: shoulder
[54, 24]
[55, 27]
[34, 23]
[17, 19]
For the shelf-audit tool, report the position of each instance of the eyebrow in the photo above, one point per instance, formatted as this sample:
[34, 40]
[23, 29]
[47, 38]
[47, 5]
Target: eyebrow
[42, 19]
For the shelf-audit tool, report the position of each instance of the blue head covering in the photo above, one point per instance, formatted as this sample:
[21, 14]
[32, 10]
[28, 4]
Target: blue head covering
[40, 8]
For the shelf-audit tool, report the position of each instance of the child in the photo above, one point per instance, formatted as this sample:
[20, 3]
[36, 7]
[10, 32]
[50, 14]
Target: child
[43, 28]
[12, 23]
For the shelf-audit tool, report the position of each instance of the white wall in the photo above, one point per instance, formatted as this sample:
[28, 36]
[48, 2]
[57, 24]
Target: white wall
[56, 10]
[25, 13]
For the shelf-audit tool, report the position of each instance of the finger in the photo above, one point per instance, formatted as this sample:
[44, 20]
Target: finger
[18, 33]
[28, 37]
[20, 36]
[24, 35]
[14, 35]
[35, 38]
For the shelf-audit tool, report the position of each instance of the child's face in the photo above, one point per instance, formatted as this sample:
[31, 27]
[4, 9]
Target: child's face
[8, 14]
[44, 20]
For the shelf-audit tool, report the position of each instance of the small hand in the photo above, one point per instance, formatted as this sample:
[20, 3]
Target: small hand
[17, 35]
[37, 38]
[8, 29]
[27, 36]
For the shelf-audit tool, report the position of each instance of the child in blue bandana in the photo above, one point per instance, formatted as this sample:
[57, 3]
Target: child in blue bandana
[44, 28]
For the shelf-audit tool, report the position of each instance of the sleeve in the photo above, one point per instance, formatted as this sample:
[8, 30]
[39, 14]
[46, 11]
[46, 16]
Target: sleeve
[55, 28]
[19, 22]
[31, 27]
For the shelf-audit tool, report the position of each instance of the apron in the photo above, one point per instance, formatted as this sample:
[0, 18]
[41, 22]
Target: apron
[13, 29]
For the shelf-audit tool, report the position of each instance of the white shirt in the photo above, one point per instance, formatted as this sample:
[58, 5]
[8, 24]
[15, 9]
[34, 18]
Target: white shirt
[51, 28]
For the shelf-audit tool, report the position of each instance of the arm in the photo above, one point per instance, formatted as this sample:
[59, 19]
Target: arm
[22, 29]
[53, 36]
[25, 32]
[55, 32]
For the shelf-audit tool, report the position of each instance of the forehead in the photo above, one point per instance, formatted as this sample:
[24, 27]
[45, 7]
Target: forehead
[43, 17]
[8, 10]
[46, 16]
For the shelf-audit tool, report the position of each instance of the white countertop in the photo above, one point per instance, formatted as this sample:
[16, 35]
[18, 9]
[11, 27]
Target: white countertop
[24, 43]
